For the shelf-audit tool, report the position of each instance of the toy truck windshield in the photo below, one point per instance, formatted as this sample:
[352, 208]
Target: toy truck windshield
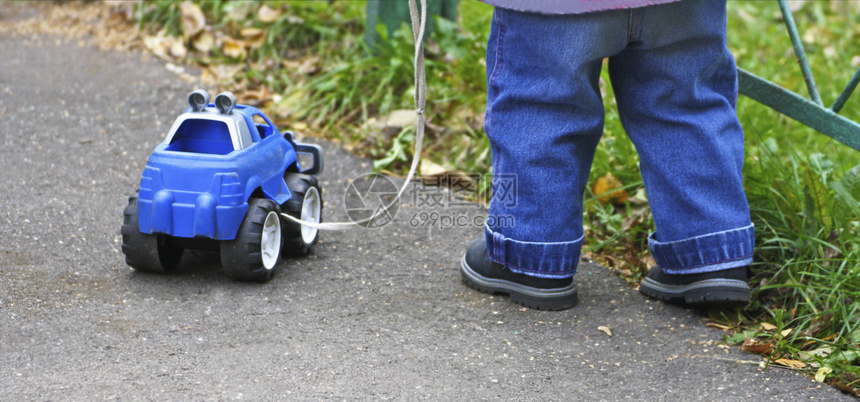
[208, 133]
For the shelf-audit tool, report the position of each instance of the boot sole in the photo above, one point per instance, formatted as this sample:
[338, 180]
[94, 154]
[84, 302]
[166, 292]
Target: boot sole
[526, 296]
[716, 293]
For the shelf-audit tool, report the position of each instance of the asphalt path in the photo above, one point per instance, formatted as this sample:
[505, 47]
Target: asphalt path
[370, 314]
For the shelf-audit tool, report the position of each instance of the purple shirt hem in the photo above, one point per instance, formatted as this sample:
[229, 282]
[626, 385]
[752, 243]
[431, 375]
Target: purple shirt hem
[571, 6]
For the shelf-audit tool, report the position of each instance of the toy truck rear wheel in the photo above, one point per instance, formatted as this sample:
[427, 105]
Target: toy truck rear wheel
[306, 204]
[253, 255]
[143, 251]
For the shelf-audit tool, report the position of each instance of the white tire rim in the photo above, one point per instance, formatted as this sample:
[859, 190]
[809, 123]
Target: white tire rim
[270, 241]
[311, 212]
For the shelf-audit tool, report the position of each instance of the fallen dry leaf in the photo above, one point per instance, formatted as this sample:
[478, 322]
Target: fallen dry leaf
[233, 48]
[822, 373]
[255, 37]
[299, 127]
[605, 329]
[240, 11]
[178, 50]
[400, 118]
[251, 32]
[193, 20]
[257, 42]
[267, 14]
[161, 46]
[639, 198]
[155, 45]
[307, 65]
[220, 73]
[790, 363]
[255, 97]
[815, 353]
[203, 42]
[719, 326]
[608, 189]
[754, 346]
[768, 326]
[430, 168]
[120, 11]
[294, 19]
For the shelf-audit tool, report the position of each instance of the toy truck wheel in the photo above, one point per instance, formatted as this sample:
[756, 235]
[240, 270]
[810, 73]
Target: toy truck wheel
[306, 204]
[146, 252]
[253, 255]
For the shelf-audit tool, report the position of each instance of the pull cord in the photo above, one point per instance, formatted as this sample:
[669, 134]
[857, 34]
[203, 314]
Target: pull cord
[419, 23]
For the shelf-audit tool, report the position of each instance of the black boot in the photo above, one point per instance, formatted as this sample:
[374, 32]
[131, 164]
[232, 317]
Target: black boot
[718, 289]
[481, 273]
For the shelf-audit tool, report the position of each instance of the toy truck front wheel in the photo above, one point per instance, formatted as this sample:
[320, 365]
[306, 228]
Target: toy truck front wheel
[253, 255]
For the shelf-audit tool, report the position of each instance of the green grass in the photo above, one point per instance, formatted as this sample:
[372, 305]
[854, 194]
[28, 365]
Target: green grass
[803, 189]
[802, 186]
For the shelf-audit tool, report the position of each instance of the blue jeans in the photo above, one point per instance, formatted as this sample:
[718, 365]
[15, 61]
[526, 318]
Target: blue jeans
[675, 83]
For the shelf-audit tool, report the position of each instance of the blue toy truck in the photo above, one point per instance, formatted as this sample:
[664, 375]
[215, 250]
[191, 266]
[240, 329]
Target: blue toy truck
[220, 181]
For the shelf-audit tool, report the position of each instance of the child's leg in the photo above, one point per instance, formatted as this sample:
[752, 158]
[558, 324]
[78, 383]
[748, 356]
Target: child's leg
[676, 87]
[544, 120]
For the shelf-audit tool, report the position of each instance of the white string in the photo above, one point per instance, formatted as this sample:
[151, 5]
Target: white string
[419, 23]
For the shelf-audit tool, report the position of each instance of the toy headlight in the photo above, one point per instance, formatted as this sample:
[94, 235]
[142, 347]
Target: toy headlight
[225, 102]
[198, 100]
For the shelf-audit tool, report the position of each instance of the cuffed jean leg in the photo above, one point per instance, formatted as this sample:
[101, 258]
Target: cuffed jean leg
[676, 89]
[710, 252]
[544, 119]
